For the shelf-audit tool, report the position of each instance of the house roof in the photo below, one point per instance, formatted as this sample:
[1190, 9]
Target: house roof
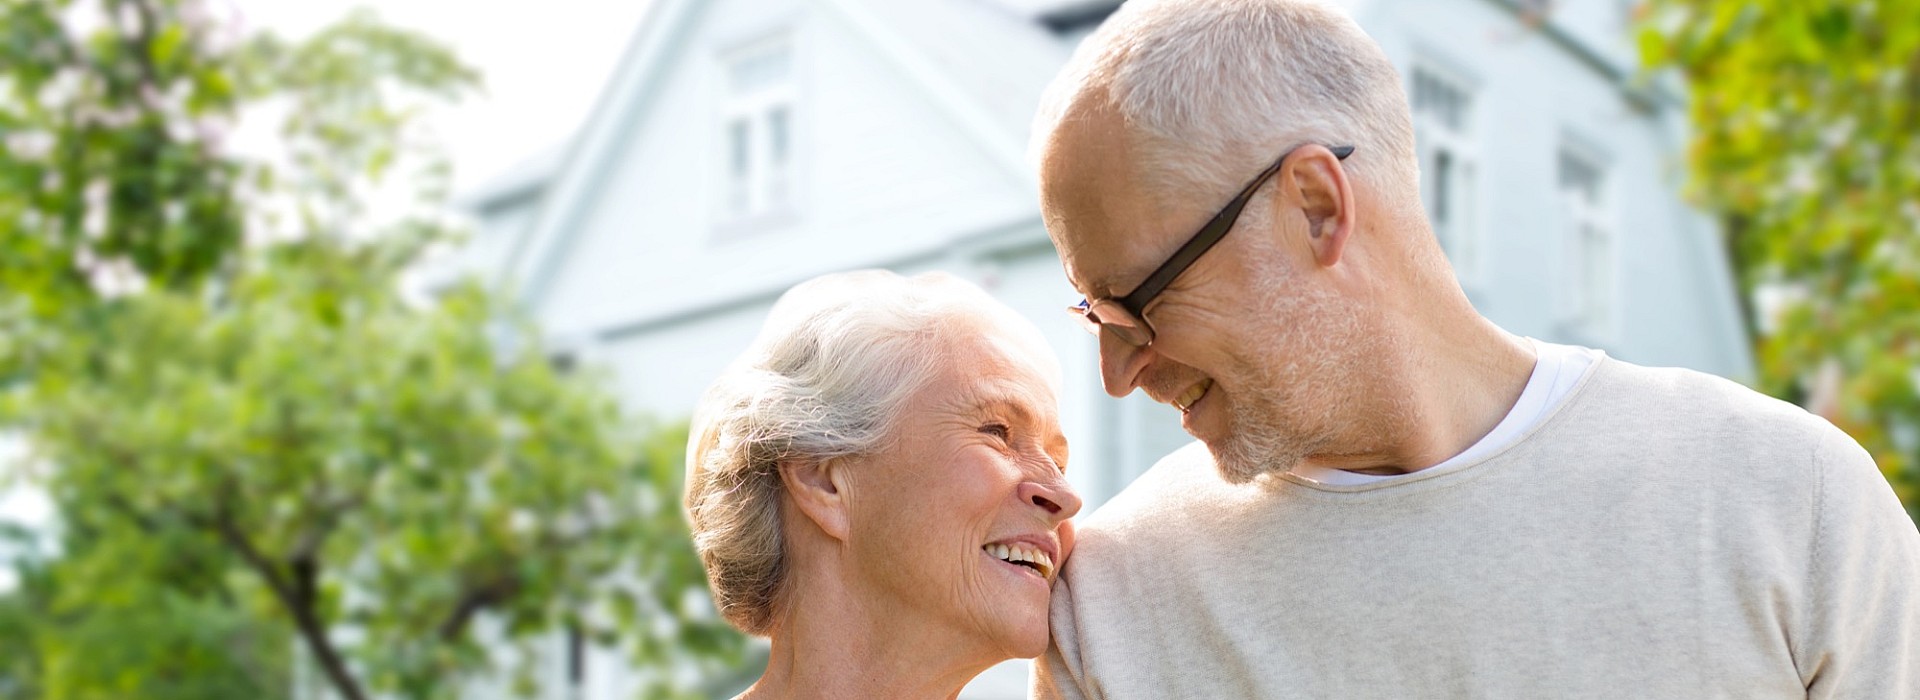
[1004, 83]
[989, 94]
[525, 177]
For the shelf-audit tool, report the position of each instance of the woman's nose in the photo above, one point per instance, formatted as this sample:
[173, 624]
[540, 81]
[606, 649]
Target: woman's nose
[1053, 496]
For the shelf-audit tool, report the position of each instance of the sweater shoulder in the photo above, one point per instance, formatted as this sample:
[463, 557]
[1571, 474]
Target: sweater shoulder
[1182, 491]
[1163, 491]
[1628, 400]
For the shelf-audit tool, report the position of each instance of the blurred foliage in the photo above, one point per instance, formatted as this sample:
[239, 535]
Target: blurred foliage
[1806, 120]
[374, 465]
[253, 437]
[119, 636]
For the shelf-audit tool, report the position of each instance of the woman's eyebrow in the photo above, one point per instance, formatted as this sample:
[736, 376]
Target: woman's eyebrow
[990, 401]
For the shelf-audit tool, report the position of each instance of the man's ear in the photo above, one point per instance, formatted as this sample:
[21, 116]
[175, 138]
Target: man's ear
[819, 490]
[1319, 187]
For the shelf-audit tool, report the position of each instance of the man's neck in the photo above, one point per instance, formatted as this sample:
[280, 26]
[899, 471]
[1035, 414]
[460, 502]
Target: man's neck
[1444, 386]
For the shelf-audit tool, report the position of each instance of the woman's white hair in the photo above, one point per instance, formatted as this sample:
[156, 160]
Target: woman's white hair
[827, 378]
[1213, 90]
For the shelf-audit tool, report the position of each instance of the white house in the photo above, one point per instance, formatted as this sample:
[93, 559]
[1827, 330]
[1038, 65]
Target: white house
[743, 146]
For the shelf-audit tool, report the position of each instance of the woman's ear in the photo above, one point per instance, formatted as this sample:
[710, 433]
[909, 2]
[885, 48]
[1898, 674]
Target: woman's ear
[819, 490]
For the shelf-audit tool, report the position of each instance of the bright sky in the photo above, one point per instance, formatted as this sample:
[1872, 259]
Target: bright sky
[19, 504]
[543, 63]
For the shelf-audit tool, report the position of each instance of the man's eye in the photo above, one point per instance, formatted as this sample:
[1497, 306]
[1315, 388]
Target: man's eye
[999, 430]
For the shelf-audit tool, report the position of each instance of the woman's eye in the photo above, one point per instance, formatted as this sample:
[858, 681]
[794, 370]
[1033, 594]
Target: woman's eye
[999, 430]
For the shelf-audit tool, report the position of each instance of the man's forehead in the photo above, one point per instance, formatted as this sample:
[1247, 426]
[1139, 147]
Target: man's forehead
[1093, 280]
[1091, 204]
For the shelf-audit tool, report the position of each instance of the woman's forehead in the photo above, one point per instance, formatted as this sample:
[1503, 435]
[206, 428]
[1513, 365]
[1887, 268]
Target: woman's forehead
[984, 372]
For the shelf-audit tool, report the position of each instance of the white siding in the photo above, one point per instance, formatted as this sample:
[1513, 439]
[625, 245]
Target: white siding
[1532, 94]
[884, 175]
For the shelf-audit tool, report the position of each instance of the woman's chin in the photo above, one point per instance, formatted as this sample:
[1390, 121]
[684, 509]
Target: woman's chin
[1021, 630]
[1028, 634]
[1029, 641]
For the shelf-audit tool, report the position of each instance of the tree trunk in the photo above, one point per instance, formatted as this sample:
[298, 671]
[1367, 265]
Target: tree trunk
[336, 668]
[300, 597]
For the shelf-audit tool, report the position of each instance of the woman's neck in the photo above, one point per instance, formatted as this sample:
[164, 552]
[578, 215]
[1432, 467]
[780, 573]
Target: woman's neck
[833, 643]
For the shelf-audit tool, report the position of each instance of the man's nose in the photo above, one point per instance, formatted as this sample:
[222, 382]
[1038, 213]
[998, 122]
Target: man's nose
[1120, 364]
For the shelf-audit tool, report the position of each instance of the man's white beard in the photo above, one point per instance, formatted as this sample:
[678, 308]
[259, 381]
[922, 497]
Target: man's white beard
[1272, 431]
[1250, 452]
[1274, 434]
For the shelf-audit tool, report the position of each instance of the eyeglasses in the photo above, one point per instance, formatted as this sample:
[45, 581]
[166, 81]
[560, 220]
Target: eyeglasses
[1126, 317]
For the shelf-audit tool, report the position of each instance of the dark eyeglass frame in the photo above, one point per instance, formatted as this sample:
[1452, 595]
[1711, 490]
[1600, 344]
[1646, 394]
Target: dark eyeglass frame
[1126, 318]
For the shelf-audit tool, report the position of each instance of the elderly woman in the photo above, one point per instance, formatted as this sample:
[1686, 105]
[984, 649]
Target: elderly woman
[877, 487]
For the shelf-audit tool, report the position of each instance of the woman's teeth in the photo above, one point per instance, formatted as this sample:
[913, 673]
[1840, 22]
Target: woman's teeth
[1185, 401]
[1016, 554]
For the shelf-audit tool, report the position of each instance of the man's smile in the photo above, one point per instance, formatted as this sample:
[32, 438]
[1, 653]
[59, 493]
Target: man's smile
[1186, 399]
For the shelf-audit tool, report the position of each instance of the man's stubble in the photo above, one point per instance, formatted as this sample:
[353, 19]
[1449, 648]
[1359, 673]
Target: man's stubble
[1296, 404]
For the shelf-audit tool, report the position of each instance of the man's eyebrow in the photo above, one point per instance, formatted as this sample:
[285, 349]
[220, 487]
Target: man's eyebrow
[1098, 289]
[1074, 284]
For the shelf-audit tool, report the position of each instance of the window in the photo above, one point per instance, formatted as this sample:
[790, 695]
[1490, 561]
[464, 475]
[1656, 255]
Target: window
[1588, 242]
[1442, 119]
[757, 130]
[576, 658]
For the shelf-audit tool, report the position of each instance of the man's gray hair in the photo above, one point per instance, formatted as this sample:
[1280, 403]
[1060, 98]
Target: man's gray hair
[1213, 90]
[827, 378]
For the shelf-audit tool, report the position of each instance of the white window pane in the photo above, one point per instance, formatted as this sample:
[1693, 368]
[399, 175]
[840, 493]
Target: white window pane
[757, 127]
[739, 148]
[739, 165]
[777, 137]
[1439, 101]
[779, 145]
[759, 71]
[1589, 240]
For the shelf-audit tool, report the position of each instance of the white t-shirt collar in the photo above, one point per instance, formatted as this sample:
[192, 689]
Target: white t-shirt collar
[1555, 372]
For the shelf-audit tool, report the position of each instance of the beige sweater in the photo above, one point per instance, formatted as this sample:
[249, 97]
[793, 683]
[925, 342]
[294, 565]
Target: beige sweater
[1662, 534]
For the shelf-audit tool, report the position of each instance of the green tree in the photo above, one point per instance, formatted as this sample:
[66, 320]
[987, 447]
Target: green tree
[251, 435]
[130, 638]
[1806, 120]
[107, 136]
[373, 465]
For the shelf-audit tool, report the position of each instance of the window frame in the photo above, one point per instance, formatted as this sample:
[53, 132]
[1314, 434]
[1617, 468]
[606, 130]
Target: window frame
[1589, 238]
[763, 188]
[1462, 237]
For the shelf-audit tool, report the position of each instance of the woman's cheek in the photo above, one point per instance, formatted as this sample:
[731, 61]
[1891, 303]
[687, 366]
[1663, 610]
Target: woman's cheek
[1066, 544]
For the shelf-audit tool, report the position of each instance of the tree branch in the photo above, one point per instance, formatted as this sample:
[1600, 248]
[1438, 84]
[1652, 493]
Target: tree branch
[298, 593]
[494, 592]
[326, 519]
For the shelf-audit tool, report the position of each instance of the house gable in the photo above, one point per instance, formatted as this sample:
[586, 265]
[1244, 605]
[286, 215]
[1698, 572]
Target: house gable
[908, 161]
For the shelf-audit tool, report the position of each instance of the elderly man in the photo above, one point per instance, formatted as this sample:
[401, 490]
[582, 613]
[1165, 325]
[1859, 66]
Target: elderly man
[1396, 498]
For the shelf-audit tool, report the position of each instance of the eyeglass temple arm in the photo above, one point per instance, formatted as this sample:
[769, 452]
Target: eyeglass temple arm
[1209, 235]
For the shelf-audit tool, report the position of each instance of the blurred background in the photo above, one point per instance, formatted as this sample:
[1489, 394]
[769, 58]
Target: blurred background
[345, 352]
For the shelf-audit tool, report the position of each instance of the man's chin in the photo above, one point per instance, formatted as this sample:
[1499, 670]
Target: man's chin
[1240, 462]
